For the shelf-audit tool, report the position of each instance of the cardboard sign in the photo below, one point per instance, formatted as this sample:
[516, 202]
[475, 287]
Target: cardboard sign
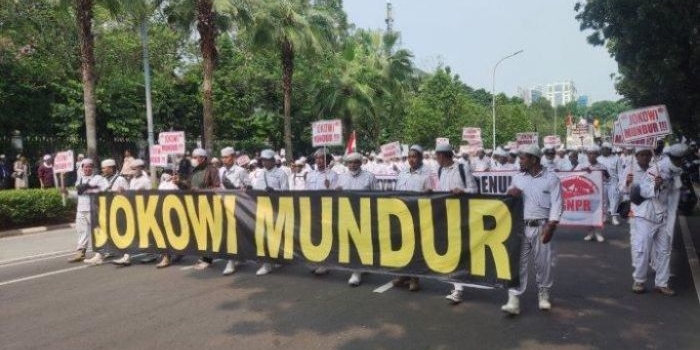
[327, 133]
[442, 141]
[63, 162]
[157, 156]
[172, 142]
[580, 134]
[552, 141]
[526, 138]
[471, 134]
[643, 123]
[391, 150]
[618, 139]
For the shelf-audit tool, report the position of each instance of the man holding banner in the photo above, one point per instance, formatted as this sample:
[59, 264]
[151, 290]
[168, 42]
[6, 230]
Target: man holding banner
[542, 196]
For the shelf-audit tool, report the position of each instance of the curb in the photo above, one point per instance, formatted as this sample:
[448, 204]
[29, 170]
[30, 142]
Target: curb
[32, 230]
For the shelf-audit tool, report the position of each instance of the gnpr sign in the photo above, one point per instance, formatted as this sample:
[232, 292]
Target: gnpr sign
[172, 142]
[327, 133]
[644, 123]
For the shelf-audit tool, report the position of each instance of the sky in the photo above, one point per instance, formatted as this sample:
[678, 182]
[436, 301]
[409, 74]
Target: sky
[470, 36]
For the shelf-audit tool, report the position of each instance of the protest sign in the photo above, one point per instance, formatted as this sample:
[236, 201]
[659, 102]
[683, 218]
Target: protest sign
[644, 123]
[63, 162]
[172, 142]
[526, 138]
[391, 150]
[552, 141]
[619, 140]
[472, 135]
[442, 141]
[580, 134]
[327, 133]
[157, 157]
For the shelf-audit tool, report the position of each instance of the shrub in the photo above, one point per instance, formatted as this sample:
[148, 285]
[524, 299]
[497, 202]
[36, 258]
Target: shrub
[34, 207]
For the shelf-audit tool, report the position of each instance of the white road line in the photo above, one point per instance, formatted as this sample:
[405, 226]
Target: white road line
[385, 287]
[37, 256]
[691, 253]
[29, 278]
[35, 260]
[192, 266]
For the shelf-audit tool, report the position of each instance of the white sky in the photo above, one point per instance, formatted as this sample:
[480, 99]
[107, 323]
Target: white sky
[470, 36]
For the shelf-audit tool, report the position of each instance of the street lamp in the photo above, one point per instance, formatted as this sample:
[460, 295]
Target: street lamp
[493, 95]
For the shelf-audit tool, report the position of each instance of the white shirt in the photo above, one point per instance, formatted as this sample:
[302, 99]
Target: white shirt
[449, 179]
[298, 180]
[416, 181]
[480, 164]
[97, 181]
[316, 180]
[236, 175]
[612, 164]
[142, 182]
[118, 183]
[363, 180]
[274, 178]
[542, 195]
[505, 167]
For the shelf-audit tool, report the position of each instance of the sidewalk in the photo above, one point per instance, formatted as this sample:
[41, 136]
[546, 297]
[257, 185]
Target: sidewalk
[31, 230]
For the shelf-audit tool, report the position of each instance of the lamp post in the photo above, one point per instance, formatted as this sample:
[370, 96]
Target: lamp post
[493, 95]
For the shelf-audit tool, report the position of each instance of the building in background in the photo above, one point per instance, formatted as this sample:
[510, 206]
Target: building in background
[558, 94]
[583, 101]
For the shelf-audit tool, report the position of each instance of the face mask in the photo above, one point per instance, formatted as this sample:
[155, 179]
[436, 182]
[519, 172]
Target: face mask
[194, 162]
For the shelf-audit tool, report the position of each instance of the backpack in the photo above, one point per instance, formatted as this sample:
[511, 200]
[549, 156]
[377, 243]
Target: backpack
[462, 173]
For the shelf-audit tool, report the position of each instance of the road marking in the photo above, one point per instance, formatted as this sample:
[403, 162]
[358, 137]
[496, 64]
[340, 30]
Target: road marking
[385, 287]
[37, 257]
[29, 278]
[477, 286]
[192, 266]
[691, 253]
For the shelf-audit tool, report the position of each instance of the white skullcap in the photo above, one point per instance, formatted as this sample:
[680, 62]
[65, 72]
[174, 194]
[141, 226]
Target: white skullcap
[47, 157]
[416, 148]
[227, 151]
[253, 162]
[108, 162]
[353, 157]
[302, 159]
[267, 154]
[593, 149]
[500, 152]
[299, 162]
[642, 149]
[215, 160]
[199, 152]
[87, 161]
[606, 145]
[678, 150]
[443, 147]
[137, 163]
[532, 150]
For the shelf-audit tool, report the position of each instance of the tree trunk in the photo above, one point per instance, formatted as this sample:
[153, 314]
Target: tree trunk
[287, 72]
[83, 12]
[205, 26]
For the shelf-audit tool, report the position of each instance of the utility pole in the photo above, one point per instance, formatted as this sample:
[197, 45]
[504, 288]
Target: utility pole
[389, 17]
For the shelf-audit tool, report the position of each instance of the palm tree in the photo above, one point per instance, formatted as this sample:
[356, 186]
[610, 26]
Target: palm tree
[289, 27]
[210, 17]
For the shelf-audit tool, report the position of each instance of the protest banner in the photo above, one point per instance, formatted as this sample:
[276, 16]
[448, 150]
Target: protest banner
[471, 135]
[618, 139]
[327, 133]
[580, 134]
[450, 237]
[391, 150]
[582, 193]
[442, 141]
[63, 162]
[644, 123]
[157, 157]
[172, 142]
[523, 139]
[243, 160]
[552, 141]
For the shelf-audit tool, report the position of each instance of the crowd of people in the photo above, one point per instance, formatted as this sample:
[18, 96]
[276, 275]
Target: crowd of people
[647, 178]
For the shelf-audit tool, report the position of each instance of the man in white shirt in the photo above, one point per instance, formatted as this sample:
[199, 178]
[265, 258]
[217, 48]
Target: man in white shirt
[454, 178]
[233, 177]
[501, 161]
[89, 183]
[613, 164]
[270, 178]
[140, 181]
[322, 178]
[543, 207]
[480, 162]
[356, 179]
[548, 161]
[117, 183]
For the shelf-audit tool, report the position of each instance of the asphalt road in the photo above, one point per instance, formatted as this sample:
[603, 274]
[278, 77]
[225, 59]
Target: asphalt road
[46, 303]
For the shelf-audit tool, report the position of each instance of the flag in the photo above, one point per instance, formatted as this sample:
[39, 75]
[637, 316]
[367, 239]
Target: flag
[352, 146]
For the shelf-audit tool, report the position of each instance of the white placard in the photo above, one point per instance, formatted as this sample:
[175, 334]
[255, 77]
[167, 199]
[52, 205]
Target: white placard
[391, 150]
[63, 162]
[442, 141]
[527, 138]
[643, 123]
[552, 141]
[471, 134]
[172, 142]
[327, 133]
[157, 157]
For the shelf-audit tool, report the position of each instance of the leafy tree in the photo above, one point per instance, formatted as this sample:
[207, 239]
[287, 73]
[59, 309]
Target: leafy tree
[657, 47]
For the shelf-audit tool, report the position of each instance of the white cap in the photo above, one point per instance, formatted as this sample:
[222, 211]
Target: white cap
[253, 162]
[87, 161]
[353, 157]
[47, 157]
[500, 152]
[267, 154]
[606, 145]
[227, 151]
[199, 152]
[137, 163]
[593, 149]
[642, 149]
[533, 150]
[416, 148]
[678, 150]
[215, 160]
[108, 162]
[443, 147]
[299, 162]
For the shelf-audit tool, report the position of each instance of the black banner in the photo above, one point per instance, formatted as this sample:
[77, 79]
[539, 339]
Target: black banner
[461, 238]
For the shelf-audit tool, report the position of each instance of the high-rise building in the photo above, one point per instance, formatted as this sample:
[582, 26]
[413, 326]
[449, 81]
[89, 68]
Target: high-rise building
[583, 101]
[558, 94]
